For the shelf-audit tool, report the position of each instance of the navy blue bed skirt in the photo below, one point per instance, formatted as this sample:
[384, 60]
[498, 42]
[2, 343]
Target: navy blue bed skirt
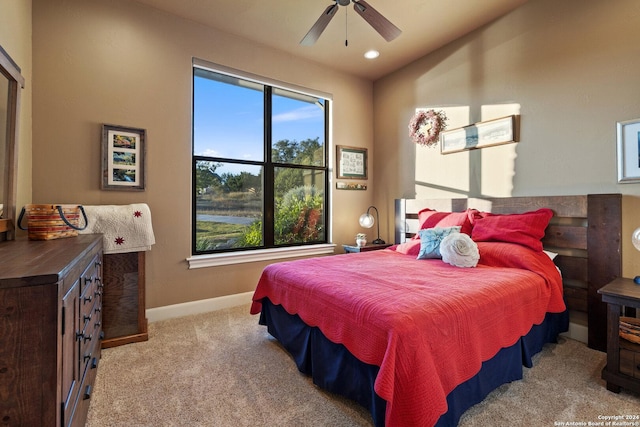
[333, 368]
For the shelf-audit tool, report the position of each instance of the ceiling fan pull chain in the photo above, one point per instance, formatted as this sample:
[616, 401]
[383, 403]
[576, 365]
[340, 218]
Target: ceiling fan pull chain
[346, 28]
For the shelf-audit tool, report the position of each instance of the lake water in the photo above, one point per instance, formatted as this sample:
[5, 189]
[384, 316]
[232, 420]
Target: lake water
[225, 219]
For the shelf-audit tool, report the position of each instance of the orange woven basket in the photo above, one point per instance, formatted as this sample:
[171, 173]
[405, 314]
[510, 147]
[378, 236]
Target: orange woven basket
[50, 222]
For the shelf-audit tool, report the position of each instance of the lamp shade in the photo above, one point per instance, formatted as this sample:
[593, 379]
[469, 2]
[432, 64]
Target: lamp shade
[635, 237]
[366, 220]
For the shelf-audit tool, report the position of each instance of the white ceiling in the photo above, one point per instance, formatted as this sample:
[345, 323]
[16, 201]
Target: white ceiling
[426, 25]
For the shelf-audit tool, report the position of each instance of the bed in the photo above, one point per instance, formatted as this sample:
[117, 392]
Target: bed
[417, 342]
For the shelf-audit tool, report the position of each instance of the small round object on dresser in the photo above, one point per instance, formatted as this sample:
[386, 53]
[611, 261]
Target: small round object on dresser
[636, 280]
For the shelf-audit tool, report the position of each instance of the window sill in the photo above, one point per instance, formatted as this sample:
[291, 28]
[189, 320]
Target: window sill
[230, 258]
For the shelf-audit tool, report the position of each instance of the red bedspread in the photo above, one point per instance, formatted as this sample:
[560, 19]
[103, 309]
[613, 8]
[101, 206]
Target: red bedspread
[427, 325]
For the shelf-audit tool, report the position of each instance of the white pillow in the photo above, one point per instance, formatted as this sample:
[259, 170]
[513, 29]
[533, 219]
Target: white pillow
[459, 250]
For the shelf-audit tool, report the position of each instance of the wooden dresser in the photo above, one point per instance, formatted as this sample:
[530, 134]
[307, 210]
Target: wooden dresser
[50, 329]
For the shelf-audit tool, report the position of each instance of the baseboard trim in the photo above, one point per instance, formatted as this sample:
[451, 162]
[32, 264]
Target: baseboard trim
[196, 307]
[577, 332]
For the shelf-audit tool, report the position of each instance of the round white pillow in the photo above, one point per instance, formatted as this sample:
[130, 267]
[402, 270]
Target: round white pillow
[459, 250]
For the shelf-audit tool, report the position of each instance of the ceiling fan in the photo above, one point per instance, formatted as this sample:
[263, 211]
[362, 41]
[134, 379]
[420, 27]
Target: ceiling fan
[379, 23]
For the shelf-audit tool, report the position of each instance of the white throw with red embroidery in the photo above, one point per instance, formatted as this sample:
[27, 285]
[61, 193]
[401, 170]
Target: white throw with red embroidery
[125, 228]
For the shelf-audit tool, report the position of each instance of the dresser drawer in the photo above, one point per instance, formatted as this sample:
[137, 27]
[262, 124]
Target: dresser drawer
[90, 317]
[91, 285]
[86, 389]
[90, 338]
[91, 292]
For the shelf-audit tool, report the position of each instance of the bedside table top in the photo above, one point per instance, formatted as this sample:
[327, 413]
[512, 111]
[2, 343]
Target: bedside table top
[366, 248]
[621, 290]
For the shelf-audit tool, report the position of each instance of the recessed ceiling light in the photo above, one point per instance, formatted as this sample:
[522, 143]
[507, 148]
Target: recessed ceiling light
[371, 54]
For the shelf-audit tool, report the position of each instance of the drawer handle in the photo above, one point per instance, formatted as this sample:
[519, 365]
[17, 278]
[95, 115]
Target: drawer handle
[98, 263]
[87, 317]
[87, 357]
[87, 392]
[97, 325]
[87, 337]
[94, 363]
[88, 299]
[88, 280]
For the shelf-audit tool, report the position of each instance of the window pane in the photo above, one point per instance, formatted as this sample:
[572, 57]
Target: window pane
[297, 129]
[299, 205]
[228, 117]
[228, 206]
[231, 174]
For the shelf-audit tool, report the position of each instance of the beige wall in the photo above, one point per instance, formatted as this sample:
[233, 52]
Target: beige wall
[119, 62]
[15, 39]
[569, 68]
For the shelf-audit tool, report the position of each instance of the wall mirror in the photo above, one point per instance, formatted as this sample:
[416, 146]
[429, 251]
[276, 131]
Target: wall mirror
[11, 83]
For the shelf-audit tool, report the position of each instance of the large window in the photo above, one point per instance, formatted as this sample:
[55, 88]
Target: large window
[260, 173]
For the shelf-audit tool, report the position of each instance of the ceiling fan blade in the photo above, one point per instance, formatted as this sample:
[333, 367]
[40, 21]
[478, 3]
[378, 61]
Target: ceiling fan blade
[322, 22]
[379, 23]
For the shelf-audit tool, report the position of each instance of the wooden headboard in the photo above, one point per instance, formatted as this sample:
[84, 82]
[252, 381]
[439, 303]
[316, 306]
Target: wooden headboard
[585, 232]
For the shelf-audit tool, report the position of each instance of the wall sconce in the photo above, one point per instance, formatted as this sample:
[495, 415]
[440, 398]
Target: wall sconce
[367, 221]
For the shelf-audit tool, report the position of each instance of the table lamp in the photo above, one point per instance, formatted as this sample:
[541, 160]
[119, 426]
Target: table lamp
[635, 239]
[367, 221]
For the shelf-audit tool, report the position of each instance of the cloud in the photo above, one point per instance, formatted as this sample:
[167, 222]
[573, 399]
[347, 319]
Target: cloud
[302, 113]
[209, 153]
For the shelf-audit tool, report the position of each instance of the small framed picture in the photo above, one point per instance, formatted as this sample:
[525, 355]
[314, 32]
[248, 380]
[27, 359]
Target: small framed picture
[350, 186]
[351, 162]
[123, 152]
[628, 135]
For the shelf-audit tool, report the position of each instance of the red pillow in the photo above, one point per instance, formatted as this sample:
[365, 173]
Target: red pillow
[525, 229]
[410, 247]
[429, 218]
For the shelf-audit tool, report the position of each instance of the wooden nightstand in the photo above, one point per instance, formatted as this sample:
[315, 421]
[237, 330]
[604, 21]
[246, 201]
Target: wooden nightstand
[623, 356]
[353, 249]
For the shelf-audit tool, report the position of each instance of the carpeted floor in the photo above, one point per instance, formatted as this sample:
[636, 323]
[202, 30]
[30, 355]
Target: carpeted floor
[223, 369]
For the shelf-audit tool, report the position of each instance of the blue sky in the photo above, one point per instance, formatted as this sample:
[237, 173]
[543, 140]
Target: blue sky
[228, 120]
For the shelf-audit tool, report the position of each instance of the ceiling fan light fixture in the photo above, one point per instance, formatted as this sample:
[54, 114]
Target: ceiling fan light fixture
[371, 54]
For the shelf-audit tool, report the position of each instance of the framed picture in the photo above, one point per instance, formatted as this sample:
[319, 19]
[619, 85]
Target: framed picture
[479, 135]
[123, 152]
[628, 135]
[352, 162]
[350, 186]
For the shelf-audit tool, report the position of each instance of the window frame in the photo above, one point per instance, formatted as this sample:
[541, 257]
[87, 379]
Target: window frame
[273, 251]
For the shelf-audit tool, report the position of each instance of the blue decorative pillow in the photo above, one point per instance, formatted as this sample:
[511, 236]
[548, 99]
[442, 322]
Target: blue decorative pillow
[430, 239]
